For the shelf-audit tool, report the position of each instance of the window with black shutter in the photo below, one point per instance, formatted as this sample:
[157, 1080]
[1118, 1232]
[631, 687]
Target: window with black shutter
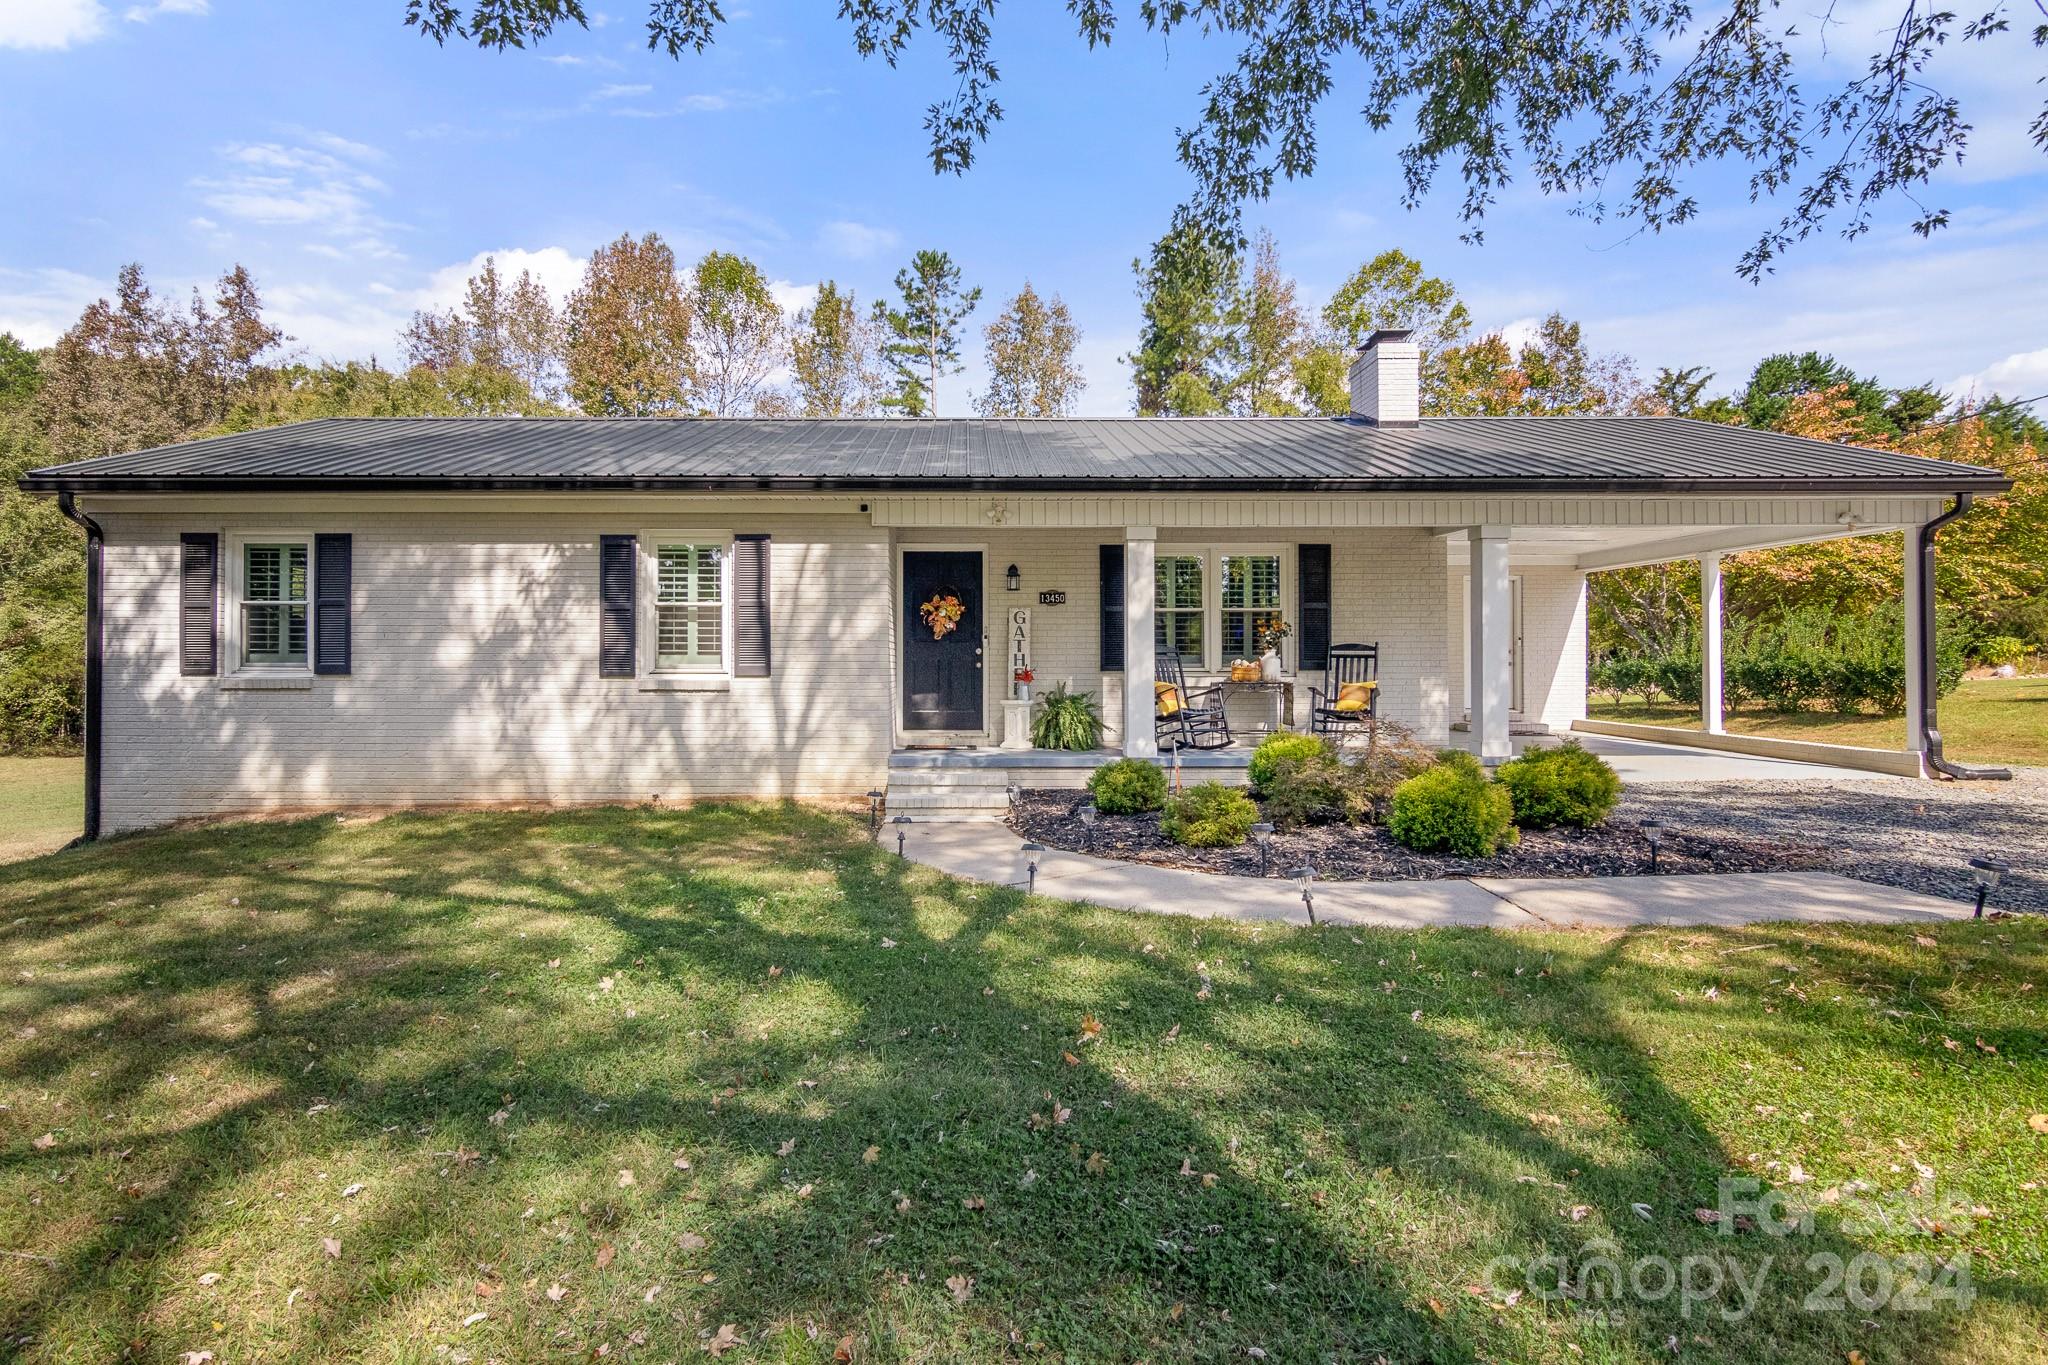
[199, 604]
[1112, 608]
[616, 570]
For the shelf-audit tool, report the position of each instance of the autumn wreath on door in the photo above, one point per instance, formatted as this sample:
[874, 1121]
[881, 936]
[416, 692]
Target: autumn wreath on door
[942, 612]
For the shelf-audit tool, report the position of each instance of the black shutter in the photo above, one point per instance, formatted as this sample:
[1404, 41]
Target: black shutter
[1112, 608]
[333, 562]
[616, 571]
[1312, 604]
[752, 648]
[199, 604]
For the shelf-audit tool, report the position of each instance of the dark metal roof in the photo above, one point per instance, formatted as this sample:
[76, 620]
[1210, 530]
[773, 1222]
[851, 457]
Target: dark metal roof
[1463, 454]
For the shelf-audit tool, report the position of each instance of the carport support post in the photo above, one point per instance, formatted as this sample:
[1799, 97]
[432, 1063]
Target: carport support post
[1140, 738]
[1916, 657]
[1710, 642]
[1492, 611]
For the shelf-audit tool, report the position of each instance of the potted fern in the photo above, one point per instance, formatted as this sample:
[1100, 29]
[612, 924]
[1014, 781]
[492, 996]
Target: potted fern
[1066, 720]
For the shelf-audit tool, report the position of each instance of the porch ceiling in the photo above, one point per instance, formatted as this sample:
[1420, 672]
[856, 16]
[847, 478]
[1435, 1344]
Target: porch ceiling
[1620, 547]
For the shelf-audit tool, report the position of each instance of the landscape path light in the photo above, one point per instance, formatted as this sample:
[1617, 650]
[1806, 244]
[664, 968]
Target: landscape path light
[1305, 878]
[1653, 835]
[1088, 814]
[874, 815]
[902, 823]
[1986, 872]
[1262, 833]
[1031, 852]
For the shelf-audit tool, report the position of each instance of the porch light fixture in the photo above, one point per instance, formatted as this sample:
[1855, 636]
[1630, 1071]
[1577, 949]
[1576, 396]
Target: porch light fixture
[1031, 852]
[1305, 878]
[1986, 872]
[874, 815]
[900, 822]
[1653, 835]
[1262, 832]
[1088, 814]
[1013, 580]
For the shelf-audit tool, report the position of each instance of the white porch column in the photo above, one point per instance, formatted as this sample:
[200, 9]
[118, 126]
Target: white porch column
[1916, 700]
[1710, 642]
[1492, 613]
[1139, 546]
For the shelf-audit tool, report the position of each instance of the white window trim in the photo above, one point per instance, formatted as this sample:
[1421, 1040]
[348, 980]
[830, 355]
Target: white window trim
[237, 543]
[648, 594]
[1211, 554]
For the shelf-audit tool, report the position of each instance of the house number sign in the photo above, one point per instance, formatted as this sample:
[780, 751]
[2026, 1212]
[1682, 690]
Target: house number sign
[1052, 597]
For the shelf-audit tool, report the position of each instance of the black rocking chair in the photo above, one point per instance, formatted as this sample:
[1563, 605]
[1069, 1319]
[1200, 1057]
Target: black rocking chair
[1186, 719]
[1332, 712]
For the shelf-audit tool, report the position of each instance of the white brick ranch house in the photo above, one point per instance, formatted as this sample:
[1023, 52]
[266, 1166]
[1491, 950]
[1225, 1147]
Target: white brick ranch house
[390, 611]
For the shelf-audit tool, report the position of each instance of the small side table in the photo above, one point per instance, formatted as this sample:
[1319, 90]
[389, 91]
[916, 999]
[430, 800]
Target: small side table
[1016, 724]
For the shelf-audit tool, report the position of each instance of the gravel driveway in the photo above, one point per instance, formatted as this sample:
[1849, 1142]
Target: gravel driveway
[1899, 831]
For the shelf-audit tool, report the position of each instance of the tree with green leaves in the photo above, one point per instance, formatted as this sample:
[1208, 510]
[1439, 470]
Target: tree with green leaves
[1271, 338]
[1779, 380]
[737, 334]
[835, 358]
[1678, 392]
[511, 331]
[1181, 365]
[627, 333]
[1609, 103]
[1031, 367]
[1393, 290]
[922, 336]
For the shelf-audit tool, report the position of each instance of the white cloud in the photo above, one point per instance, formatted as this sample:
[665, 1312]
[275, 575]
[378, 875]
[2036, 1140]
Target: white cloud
[558, 271]
[1520, 332]
[39, 306]
[142, 14]
[856, 241]
[51, 24]
[315, 185]
[2020, 375]
[619, 92]
[790, 297]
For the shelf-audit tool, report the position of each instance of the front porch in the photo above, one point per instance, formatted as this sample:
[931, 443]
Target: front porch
[943, 785]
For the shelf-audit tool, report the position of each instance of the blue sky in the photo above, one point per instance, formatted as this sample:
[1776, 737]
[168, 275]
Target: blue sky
[360, 171]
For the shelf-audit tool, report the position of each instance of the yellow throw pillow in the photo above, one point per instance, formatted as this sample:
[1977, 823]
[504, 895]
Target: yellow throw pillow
[1354, 696]
[1167, 698]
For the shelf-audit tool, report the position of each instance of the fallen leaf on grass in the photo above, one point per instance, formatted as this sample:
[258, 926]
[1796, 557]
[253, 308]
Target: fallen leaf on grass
[653, 1293]
[1070, 1059]
[44, 1144]
[1707, 1216]
[842, 1354]
[2038, 1122]
[195, 1358]
[1172, 1035]
[804, 1190]
[498, 1119]
[1579, 1213]
[625, 1179]
[1091, 1028]
[1923, 940]
[474, 1318]
[774, 972]
[962, 1287]
[973, 1203]
[1096, 1163]
[788, 1146]
[681, 1163]
[871, 1156]
[210, 1278]
[690, 1241]
[351, 1191]
[332, 1246]
[556, 1293]
[724, 1340]
[485, 1289]
[605, 1254]
[1546, 1120]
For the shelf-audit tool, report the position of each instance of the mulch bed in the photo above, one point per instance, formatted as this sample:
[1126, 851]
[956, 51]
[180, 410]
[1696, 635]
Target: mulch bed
[1368, 853]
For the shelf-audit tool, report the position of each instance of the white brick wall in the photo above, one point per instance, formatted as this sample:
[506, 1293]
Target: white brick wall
[475, 648]
[1553, 658]
[475, 673]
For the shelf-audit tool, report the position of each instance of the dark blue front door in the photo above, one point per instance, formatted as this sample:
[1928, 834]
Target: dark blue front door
[942, 675]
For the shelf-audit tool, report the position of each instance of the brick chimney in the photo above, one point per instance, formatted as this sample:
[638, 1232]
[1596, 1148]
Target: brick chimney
[1386, 379]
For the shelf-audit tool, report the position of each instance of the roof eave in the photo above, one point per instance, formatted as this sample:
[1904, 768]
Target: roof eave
[54, 481]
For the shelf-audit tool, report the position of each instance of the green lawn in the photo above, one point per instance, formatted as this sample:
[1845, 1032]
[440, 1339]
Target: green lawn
[42, 804]
[1993, 720]
[527, 1087]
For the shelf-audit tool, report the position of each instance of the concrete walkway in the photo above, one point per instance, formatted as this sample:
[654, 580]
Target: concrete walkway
[986, 851]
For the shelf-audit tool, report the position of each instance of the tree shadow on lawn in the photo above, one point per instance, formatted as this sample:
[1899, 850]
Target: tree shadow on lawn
[722, 991]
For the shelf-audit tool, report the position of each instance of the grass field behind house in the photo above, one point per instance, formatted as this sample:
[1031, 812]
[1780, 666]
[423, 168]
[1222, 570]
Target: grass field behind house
[42, 804]
[641, 1085]
[1991, 720]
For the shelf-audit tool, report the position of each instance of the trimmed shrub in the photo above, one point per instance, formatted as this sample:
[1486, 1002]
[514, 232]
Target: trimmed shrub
[1561, 786]
[2000, 650]
[1066, 720]
[1453, 808]
[1283, 747]
[1209, 816]
[1129, 786]
[1353, 785]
